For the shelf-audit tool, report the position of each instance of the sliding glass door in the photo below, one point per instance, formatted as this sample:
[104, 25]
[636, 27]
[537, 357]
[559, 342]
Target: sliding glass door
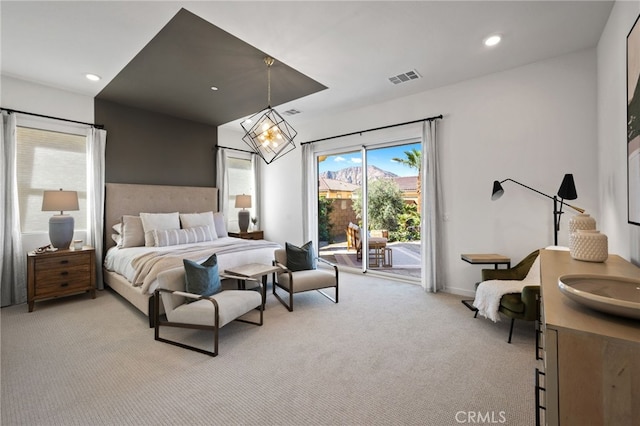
[376, 189]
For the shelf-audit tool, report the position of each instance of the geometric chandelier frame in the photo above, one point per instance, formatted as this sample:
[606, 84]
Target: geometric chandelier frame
[266, 132]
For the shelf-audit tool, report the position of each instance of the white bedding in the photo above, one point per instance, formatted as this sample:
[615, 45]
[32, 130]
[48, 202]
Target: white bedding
[233, 252]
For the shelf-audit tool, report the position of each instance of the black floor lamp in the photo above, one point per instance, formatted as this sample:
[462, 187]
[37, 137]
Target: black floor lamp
[567, 191]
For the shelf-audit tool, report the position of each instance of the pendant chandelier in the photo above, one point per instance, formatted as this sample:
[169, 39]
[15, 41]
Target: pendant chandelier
[266, 132]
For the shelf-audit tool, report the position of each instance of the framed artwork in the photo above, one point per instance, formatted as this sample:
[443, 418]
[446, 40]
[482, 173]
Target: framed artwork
[633, 123]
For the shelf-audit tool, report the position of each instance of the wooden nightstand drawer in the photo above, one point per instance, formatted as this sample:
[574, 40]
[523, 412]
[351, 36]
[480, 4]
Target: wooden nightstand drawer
[48, 263]
[60, 273]
[56, 286]
[77, 276]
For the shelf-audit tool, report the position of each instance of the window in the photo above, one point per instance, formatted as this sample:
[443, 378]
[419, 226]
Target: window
[241, 181]
[49, 160]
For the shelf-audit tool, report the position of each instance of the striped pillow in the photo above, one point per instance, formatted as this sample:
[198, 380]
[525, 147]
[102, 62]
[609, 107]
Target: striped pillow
[172, 237]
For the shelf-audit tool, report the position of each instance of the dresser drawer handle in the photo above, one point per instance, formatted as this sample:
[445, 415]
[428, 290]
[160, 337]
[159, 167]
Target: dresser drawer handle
[64, 285]
[64, 262]
[64, 273]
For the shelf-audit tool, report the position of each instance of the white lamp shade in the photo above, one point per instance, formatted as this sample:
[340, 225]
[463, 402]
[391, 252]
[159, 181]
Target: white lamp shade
[60, 201]
[243, 201]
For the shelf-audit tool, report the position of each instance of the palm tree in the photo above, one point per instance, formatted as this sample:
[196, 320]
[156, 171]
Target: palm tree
[414, 160]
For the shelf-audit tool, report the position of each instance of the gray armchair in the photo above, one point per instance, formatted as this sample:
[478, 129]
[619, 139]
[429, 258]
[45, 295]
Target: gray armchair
[203, 313]
[299, 281]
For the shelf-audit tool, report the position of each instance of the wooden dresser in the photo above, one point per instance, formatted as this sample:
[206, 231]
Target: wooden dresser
[591, 360]
[60, 273]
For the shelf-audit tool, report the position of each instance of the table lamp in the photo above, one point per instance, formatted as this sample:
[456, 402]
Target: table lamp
[243, 202]
[60, 225]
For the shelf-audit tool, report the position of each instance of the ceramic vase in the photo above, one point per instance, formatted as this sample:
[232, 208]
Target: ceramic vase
[588, 245]
[581, 221]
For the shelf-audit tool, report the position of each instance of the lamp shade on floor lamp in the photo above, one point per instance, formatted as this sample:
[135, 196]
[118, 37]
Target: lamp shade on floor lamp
[60, 226]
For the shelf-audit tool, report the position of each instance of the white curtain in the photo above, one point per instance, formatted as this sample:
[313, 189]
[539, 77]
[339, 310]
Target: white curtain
[309, 180]
[96, 145]
[222, 178]
[257, 192]
[432, 206]
[13, 270]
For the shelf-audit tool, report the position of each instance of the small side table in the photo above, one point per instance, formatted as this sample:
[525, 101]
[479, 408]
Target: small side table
[484, 259]
[487, 259]
[60, 273]
[253, 270]
[250, 235]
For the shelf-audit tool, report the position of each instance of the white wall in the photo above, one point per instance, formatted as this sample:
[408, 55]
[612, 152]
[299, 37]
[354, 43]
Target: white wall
[624, 238]
[31, 97]
[533, 124]
[35, 98]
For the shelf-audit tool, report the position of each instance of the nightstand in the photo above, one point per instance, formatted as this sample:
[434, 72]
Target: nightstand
[251, 235]
[60, 273]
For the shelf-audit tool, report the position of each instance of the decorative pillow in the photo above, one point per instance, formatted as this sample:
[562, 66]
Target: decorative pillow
[221, 228]
[300, 258]
[191, 220]
[117, 238]
[132, 232]
[202, 279]
[151, 221]
[117, 227]
[172, 237]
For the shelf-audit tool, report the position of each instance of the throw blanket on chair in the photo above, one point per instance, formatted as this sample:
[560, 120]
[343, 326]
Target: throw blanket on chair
[489, 293]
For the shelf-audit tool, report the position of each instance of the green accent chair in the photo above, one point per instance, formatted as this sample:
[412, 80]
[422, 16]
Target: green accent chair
[523, 306]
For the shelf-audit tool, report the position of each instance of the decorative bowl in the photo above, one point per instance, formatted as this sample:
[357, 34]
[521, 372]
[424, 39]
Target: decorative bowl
[611, 294]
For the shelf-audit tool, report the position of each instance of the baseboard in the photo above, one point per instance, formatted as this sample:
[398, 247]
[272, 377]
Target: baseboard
[460, 291]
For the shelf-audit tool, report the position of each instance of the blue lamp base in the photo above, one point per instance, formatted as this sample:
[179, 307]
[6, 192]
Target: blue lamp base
[61, 231]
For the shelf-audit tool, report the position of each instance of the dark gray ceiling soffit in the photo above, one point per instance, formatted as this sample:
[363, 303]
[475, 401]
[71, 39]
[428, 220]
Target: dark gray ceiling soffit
[174, 72]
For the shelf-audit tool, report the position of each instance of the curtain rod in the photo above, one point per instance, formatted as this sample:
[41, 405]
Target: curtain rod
[216, 147]
[372, 130]
[97, 126]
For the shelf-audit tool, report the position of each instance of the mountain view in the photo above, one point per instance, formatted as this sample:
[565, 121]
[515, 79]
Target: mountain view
[354, 174]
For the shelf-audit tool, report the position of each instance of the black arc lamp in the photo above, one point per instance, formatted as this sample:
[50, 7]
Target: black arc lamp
[567, 191]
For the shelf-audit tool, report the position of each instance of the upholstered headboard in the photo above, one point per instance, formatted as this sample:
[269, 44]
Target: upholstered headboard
[131, 199]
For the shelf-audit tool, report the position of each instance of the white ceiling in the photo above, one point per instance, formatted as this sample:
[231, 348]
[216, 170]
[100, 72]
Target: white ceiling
[350, 47]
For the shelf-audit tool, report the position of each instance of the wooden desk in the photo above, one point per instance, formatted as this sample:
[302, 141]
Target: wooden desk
[483, 259]
[487, 259]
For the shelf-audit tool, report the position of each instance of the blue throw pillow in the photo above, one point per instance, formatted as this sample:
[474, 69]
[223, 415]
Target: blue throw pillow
[204, 278]
[300, 258]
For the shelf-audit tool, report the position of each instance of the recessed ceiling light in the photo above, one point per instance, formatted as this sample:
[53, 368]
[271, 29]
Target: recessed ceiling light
[93, 77]
[214, 88]
[492, 40]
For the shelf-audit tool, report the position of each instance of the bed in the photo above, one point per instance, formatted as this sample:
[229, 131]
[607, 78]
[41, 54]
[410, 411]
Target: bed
[131, 269]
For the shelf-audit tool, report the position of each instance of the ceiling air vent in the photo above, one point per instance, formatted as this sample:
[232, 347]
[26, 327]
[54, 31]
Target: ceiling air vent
[407, 76]
[291, 112]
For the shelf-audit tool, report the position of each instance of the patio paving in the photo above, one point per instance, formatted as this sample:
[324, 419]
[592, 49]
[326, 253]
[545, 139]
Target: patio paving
[406, 257]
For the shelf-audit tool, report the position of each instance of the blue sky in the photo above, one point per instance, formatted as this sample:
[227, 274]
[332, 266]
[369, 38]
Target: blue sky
[380, 158]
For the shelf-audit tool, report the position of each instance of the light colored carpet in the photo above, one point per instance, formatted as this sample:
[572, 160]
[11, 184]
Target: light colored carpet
[387, 354]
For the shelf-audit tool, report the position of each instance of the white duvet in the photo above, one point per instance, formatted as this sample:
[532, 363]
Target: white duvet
[121, 260]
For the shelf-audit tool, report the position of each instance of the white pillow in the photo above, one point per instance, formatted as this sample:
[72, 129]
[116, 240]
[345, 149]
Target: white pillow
[221, 228]
[117, 227]
[172, 237]
[132, 232]
[191, 220]
[161, 221]
[117, 238]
